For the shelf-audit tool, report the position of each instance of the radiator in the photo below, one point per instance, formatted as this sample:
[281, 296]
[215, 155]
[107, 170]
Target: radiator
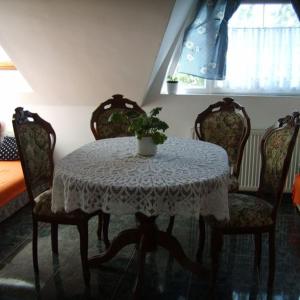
[251, 162]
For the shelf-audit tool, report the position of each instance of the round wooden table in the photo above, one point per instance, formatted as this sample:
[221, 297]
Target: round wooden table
[185, 177]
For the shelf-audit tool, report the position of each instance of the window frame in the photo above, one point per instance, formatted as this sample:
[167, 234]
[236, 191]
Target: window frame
[7, 66]
[11, 79]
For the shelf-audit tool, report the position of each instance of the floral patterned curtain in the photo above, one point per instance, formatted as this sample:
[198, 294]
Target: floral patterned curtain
[296, 5]
[205, 41]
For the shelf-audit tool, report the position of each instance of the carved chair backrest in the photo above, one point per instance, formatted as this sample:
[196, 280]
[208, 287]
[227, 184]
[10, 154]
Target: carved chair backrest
[276, 150]
[225, 123]
[36, 141]
[99, 122]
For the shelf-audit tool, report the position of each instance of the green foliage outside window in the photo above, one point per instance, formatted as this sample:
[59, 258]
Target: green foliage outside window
[190, 80]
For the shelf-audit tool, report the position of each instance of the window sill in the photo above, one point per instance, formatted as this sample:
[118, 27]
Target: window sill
[202, 92]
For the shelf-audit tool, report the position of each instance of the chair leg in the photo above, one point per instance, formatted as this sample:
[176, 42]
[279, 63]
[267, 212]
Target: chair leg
[140, 273]
[257, 259]
[54, 238]
[99, 231]
[271, 258]
[34, 246]
[106, 219]
[83, 233]
[171, 225]
[201, 238]
[215, 248]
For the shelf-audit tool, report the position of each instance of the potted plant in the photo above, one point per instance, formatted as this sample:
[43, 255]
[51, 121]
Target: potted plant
[148, 129]
[172, 85]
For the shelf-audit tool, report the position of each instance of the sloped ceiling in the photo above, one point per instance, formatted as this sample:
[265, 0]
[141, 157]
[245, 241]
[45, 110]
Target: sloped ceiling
[80, 52]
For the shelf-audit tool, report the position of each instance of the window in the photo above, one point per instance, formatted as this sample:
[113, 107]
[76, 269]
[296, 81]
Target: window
[263, 54]
[11, 80]
[5, 61]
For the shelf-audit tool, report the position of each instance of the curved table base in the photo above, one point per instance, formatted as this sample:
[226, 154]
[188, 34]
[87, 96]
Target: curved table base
[147, 237]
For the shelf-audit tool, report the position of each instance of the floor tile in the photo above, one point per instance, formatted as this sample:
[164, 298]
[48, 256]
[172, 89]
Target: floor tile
[61, 276]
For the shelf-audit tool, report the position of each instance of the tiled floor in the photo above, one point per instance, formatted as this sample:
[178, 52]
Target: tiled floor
[61, 277]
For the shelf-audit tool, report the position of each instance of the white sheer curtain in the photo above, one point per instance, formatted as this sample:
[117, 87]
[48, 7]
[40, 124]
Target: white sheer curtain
[263, 60]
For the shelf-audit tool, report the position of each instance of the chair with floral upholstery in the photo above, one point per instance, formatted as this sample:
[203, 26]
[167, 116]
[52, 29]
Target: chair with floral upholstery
[36, 140]
[257, 214]
[225, 123]
[102, 129]
[100, 126]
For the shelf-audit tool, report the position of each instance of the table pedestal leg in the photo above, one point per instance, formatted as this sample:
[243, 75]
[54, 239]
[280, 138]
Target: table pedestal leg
[171, 244]
[148, 237]
[124, 238]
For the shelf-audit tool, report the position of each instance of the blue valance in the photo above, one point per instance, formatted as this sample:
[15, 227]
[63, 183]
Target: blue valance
[206, 40]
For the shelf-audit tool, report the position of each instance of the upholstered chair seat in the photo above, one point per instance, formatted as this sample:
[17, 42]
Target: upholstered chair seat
[43, 208]
[43, 203]
[246, 211]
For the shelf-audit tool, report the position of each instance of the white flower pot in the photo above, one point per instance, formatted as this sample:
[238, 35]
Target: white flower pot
[146, 147]
[172, 88]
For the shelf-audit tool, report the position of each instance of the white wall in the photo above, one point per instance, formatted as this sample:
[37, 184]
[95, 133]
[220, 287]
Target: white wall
[74, 51]
[77, 53]
[181, 111]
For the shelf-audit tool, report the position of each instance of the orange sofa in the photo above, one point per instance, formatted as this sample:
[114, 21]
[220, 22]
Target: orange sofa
[13, 194]
[296, 192]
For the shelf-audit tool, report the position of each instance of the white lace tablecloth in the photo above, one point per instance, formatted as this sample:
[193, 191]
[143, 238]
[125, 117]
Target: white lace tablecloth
[185, 177]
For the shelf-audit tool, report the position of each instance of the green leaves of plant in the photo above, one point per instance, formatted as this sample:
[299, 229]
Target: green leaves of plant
[172, 79]
[143, 125]
[158, 138]
[155, 111]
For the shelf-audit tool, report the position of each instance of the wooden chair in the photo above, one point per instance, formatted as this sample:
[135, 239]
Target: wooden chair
[225, 123]
[36, 141]
[99, 122]
[101, 129]
[257, 214]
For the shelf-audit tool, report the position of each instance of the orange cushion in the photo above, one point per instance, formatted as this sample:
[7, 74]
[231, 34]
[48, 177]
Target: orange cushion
[11, 181]
[296, 190]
